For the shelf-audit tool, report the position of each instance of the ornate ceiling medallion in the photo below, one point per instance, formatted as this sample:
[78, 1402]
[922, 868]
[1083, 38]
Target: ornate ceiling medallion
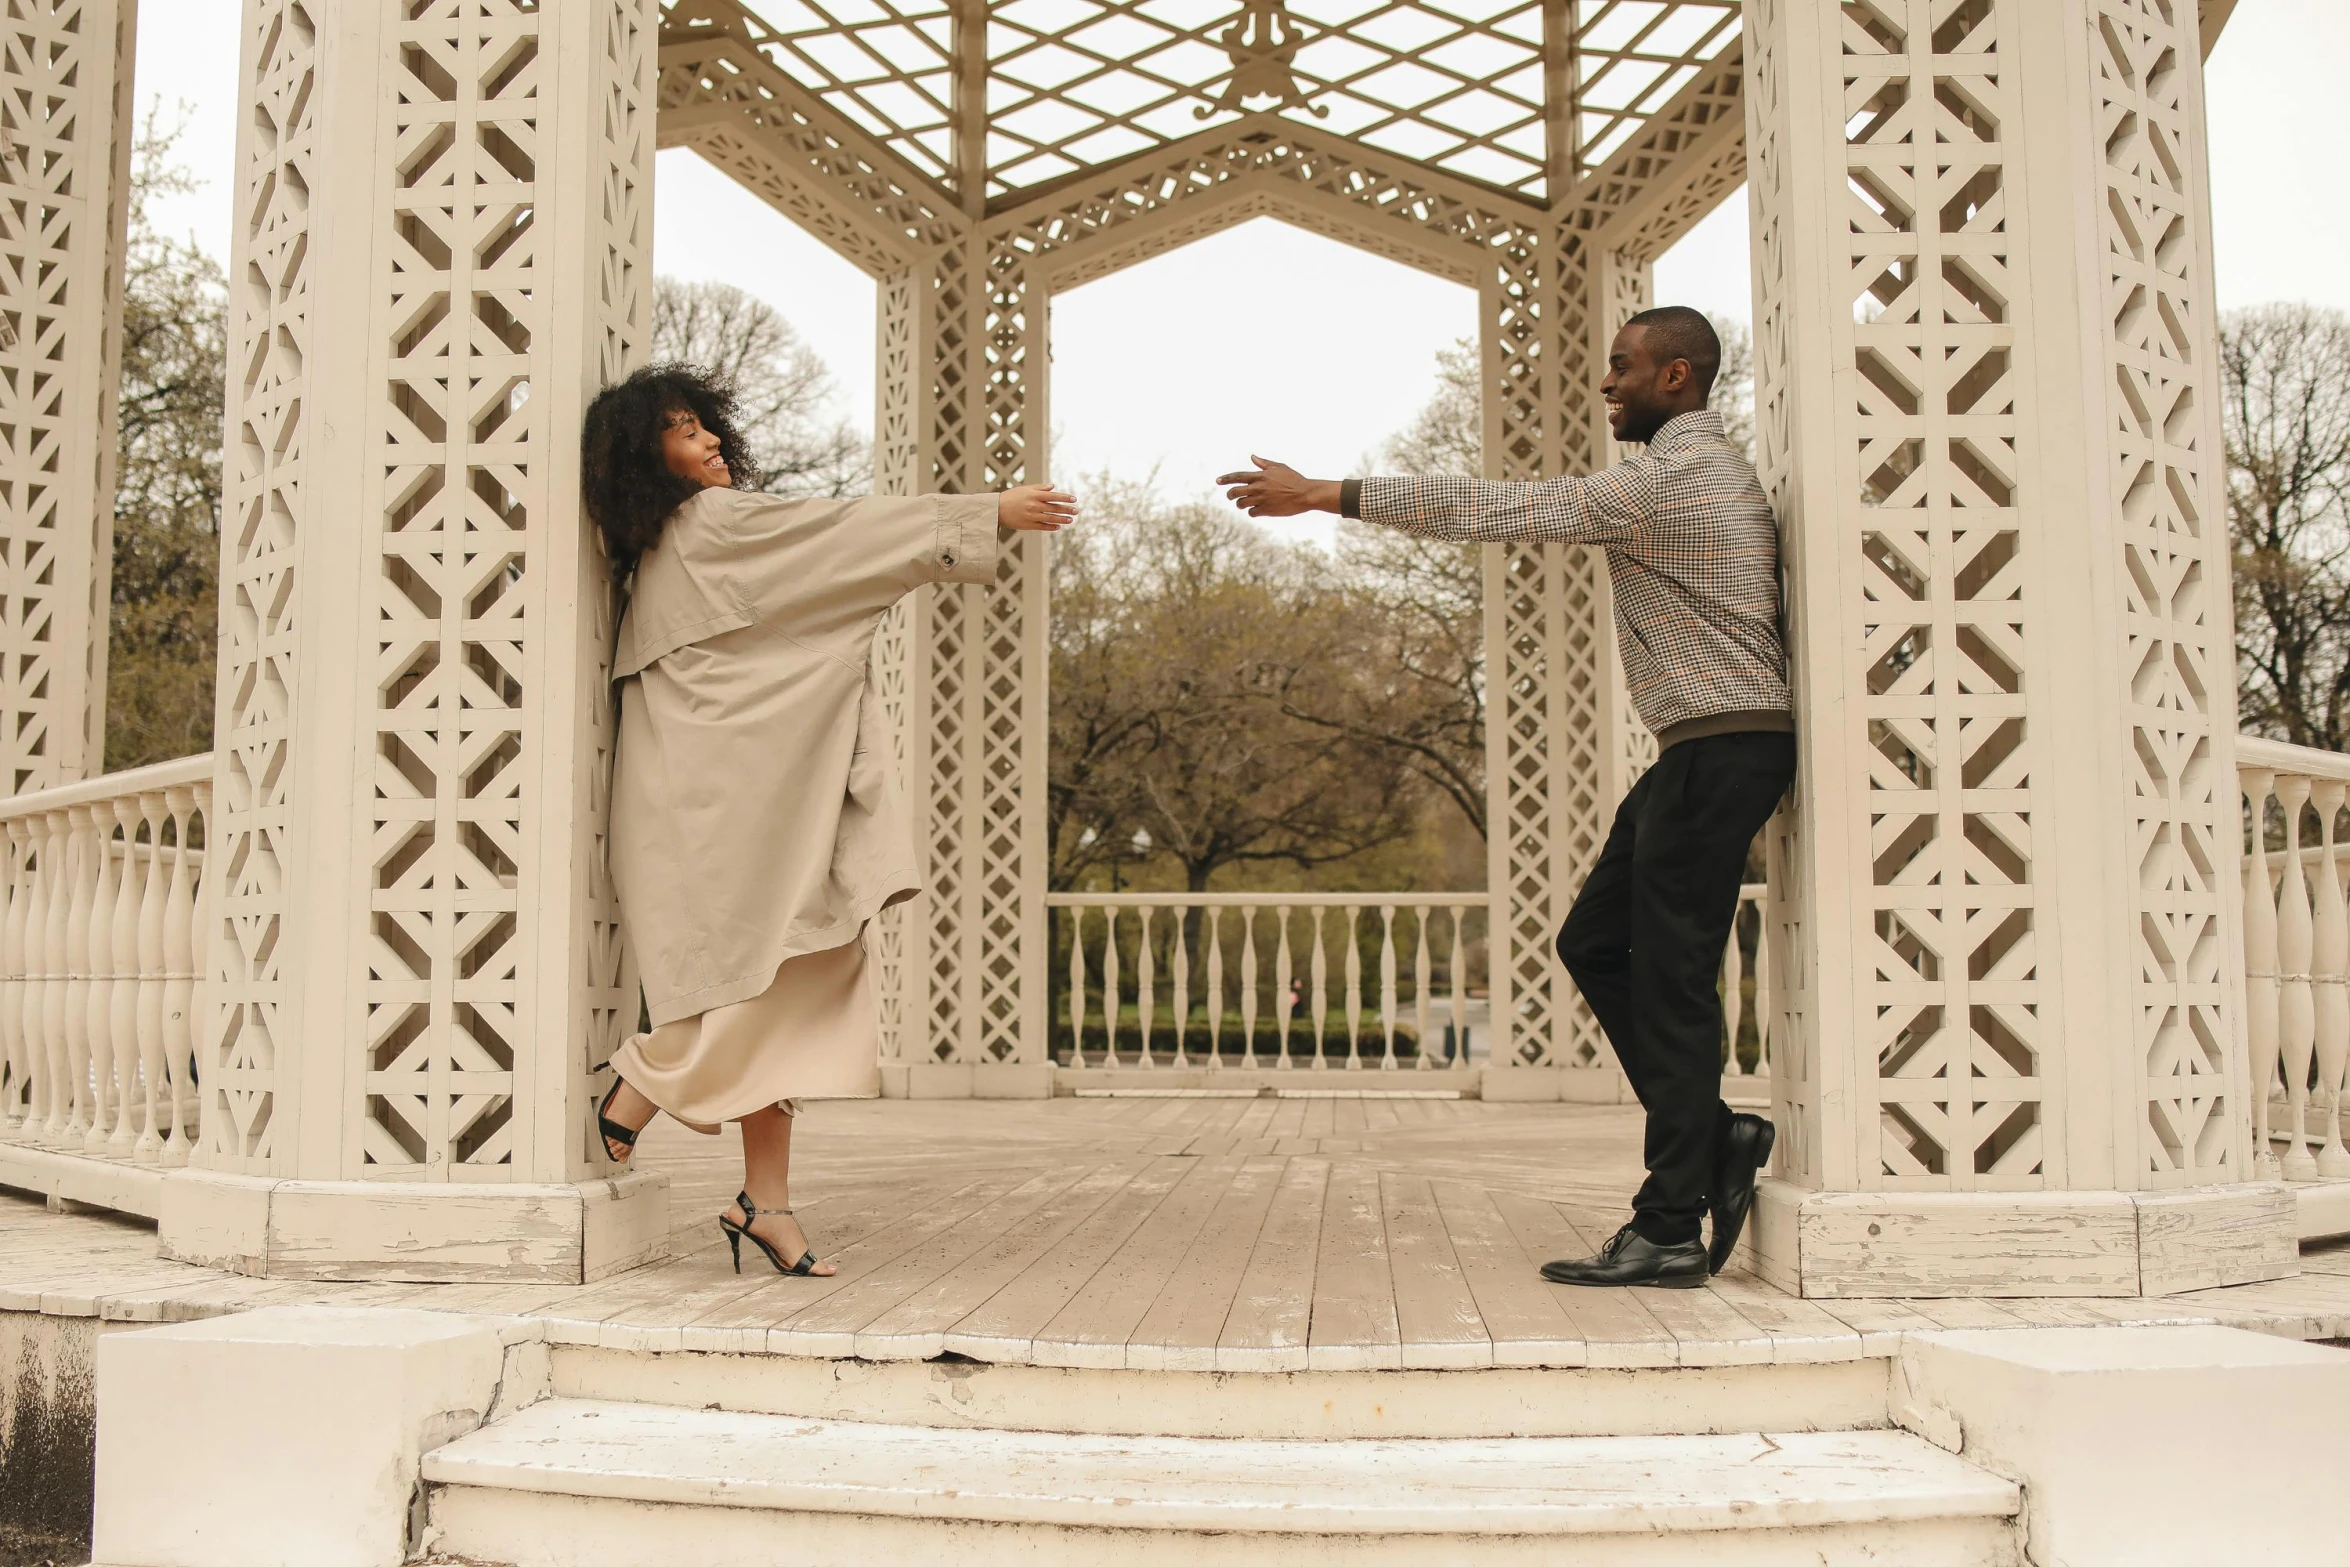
[1263, 47]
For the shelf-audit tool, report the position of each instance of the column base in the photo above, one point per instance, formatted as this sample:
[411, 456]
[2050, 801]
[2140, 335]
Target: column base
[1575, 1085]
[966, 1080]
[414, 1233]
[1923, 1245]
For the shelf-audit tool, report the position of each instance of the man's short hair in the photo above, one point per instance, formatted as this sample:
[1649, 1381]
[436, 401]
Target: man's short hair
[1678, 332]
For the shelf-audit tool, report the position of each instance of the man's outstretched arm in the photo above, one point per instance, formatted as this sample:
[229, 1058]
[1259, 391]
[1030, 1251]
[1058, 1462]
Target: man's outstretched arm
[1596, 510]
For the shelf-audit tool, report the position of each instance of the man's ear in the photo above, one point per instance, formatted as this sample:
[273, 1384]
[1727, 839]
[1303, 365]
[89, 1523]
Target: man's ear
[1675, 375]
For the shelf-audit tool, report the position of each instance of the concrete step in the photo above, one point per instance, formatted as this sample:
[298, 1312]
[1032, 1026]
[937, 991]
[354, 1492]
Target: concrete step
[574, 1482]
[1839, 1395]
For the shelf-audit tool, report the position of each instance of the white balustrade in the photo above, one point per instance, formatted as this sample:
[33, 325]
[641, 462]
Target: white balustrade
[2296, 956]
[100, 942]
[1232, 933]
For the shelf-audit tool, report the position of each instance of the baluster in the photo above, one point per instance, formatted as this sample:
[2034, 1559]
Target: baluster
[1387, 1005]
[1320, 969]
[1146, 997]
[2296, 1014]
[1284, 1002]
[161, 1092]
[1112, 1005]
[1458, 966]
[1076, 985]
[1421, 970]
[44, 940]
[1354, 987]
[1214, 931]
[2330, 967]
[1762, 984]
[1248, 987]
[75, 1003]
[179, 978]
[2260, 968]
[16, 1104]
[1182, 967]
[98, 998]
[122, 990]
[189, 1106]
[1733, 992]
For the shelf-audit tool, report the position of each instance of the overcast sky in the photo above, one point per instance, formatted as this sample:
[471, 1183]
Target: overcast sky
[1270, 338]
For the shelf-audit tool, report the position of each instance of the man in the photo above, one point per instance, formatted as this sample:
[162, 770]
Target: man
[1694, 555]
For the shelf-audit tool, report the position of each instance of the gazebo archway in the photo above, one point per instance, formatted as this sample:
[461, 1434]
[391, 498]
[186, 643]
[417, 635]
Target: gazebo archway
[963, 299]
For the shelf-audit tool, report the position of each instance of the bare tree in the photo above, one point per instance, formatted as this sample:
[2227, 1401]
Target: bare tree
[1733, 396]
[786, 392]
[2285, 407]
[1178, 631]
[162, 631]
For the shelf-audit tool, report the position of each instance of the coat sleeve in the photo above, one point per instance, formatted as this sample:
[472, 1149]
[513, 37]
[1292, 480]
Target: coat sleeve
[833, 558]
[964, 540]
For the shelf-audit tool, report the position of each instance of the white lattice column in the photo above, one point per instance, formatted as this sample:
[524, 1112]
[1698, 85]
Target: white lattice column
[2002, 899]
[65, 147]
[963, 672]
[1556, 745]
[1618, 287]
[443, 249]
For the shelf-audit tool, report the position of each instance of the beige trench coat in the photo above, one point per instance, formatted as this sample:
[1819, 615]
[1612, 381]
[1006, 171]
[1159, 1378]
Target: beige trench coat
[756, 815]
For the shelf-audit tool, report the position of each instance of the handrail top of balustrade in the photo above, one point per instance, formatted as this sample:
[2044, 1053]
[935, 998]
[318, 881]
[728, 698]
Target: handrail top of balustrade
[1266, 900]
[178, 773]
[2280, 756]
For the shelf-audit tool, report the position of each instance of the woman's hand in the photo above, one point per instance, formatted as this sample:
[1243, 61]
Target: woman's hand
[1035, 508]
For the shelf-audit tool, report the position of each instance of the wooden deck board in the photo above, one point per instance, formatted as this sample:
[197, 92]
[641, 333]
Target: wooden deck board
[1234, 1234]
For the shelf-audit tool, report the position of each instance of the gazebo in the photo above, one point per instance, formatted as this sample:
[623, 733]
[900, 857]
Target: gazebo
[2053, 973]
[2009, 1017]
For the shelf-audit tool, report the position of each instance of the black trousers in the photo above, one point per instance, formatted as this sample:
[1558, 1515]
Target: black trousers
[1644, 942]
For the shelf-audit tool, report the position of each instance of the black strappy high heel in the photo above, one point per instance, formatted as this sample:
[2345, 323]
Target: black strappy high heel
[610, 1130]
[735, 1232]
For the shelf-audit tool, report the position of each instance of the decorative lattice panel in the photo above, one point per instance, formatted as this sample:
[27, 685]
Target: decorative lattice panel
[883, 66]
[64, 117]
[1927, 519]
[619, 311]
[269, 434]
[1791, 1028]
[1952, 950]
[1547, 635]
[990, 101]
[463, 482]
[2176, 656]
[1632, 57]
[467, 556]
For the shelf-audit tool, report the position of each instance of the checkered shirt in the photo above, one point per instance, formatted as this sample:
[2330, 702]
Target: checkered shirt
[1691, 548]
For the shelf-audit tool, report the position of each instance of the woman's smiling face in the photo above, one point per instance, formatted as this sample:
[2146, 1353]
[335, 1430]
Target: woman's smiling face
[691, 452]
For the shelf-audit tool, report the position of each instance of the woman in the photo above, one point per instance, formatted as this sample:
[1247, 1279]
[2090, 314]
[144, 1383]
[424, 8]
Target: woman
[757, 823]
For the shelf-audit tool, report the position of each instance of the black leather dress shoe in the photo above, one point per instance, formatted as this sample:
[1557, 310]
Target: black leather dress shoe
[1631, 1258]
[1738, 1158]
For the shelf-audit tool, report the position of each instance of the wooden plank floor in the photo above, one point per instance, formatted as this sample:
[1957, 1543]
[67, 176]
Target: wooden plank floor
[1234, 1234]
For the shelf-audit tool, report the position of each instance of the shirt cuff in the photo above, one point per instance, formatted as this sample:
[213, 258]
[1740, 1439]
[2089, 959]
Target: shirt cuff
[1350, 498]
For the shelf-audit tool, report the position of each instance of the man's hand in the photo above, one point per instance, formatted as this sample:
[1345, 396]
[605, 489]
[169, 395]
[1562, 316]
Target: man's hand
[1035, 508]
[1273, 489]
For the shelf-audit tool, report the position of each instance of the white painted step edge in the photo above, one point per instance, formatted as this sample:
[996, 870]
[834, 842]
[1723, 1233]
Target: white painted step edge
[1525, 1485]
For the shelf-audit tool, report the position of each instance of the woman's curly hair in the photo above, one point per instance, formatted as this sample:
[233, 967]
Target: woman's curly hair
[628, 488]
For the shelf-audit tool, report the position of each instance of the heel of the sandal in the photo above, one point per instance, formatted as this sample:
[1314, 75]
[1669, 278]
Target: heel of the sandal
[734, 1242]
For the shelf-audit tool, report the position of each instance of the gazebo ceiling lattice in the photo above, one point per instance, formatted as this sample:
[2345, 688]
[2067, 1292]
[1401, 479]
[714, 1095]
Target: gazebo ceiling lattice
[987, 103]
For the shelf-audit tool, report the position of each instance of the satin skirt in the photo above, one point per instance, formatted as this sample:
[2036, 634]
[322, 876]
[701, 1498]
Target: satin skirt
[815, 1033]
